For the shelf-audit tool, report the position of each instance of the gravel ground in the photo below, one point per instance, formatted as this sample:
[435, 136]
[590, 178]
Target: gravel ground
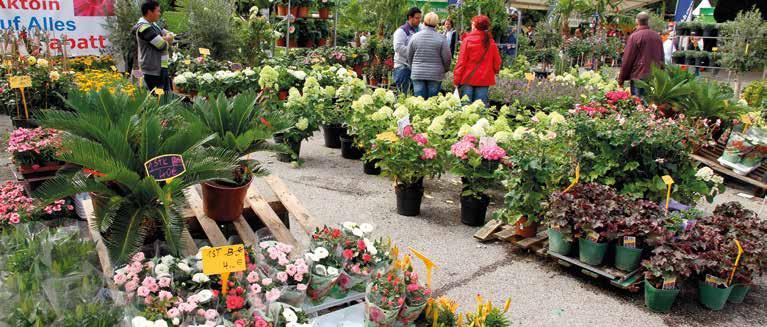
[543, 293]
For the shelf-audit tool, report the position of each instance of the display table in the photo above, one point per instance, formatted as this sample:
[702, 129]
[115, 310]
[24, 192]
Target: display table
[353, 316]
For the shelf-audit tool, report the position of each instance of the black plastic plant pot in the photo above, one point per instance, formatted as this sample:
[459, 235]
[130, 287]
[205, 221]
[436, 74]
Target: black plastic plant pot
[691, 60]
[294, 146]
[370, 168]
[474, 210]
[409, 198]
[332, 134]
[349, 149]
[24, 123]
[678, 60]
[702, 61]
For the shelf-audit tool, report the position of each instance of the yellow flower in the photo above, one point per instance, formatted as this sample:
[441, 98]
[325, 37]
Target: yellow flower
[387, 136]
[31, 60]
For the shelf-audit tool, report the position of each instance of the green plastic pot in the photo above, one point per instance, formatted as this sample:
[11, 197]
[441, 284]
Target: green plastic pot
[557, 243]
[738, 293]
[712, 297]
[627, 259]
[658, 300]
[591, 253]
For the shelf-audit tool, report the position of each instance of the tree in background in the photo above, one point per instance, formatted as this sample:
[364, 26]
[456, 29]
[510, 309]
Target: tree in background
[118, 27]
[211, 25]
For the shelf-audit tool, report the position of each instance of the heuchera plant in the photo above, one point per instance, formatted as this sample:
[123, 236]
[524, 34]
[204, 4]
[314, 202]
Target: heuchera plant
[597, 213]
[641, 219]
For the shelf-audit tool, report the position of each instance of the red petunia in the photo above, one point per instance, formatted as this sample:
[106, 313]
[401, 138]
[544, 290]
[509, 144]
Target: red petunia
[366, 257]
[348, 254]
[361, 245]
[234, 302]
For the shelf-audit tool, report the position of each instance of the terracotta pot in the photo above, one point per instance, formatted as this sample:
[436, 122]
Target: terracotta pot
[324, 13]
[283, 94]
[303, 12]
[524, 229]
[294, 11]
[384, 81]
[281, 42]
[322, 42]
[309, 43]
[293, 43]
[373, 82]
[282, 11]
[223, 203]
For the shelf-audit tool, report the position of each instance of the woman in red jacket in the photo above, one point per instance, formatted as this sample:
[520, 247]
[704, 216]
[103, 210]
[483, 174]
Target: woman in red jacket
[478, 61]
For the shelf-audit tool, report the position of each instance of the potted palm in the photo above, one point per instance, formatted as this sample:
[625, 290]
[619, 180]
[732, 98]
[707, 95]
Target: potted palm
[477, 163]
[241, 126]
[113, 136]
[408, 158]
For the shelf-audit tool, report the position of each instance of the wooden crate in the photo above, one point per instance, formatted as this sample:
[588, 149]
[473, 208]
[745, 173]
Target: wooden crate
[626, 280]
[709, 155]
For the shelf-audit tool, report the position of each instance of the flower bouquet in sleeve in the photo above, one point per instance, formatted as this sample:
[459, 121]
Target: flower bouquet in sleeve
[416, 295]
[324, 272]
[358, 254]
[291, 276]
[384, 297]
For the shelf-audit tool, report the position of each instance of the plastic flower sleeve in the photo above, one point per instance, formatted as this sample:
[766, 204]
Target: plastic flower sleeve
[376, 316]
[320, 286]
[409, 313]
[291, 295]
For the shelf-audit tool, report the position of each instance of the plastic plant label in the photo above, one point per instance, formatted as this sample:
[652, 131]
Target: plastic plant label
[205, 51]
[669, 283]
[426, 261]
[630, 242]
[402, 123]
[165, 167]
[714, 281]
[187, 62]
[20, 82]
[594, 236]
[737, 261]
[529, 77]
[688, 224]
[223, 259]
[667, 180]
[158, 91]
[577, 178]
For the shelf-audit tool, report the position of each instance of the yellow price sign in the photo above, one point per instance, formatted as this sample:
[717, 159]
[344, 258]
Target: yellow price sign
[223, 260]
[529, 77]
[20, 82]
[205, 51]
[577, 177]
[668, 181]
[426, 261]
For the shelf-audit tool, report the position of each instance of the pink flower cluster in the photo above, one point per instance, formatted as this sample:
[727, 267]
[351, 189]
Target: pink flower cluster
[467, 144]
[590, 109]
[58, 206]
[35, 140]
[13, 203]
[613, 97]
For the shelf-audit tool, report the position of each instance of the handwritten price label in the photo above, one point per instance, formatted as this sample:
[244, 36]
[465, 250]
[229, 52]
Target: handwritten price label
[223, 259]
[20, 82]
[165, 167]
[205, 51]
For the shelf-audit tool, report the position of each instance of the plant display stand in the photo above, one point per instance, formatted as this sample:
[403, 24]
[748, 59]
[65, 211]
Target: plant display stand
[353, 316]
[36, 178]
[625, 280]
[498, 230]
[709, 155]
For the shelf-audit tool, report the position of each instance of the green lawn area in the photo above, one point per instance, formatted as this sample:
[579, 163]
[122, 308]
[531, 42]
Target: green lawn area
[177, 21]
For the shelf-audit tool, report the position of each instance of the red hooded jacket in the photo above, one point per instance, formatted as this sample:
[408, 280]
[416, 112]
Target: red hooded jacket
[471, 55]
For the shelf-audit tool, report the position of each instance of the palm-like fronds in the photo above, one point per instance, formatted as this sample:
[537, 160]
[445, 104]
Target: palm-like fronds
[707, 100]
[663, 88]
[115, 135]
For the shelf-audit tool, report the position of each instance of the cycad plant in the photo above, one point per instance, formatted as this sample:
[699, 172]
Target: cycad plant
[240, 125]
[709, 100]
[665, 88]
[112, 136]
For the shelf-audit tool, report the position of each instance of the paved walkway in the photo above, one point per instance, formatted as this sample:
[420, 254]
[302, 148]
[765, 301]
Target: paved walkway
[5, 158]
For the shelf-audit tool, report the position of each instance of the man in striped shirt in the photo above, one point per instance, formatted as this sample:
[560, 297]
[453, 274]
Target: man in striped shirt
[153, 45]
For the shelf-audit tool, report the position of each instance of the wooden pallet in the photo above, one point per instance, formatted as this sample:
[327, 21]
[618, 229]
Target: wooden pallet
[267, 212]
[535, 244]
[625, 280]
[709, 155]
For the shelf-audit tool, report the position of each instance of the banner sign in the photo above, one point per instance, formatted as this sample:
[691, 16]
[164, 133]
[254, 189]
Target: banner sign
[683, 11]
[79, 20]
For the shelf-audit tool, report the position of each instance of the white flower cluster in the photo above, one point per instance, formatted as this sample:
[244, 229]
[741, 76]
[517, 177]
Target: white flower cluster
[706, 174]
[291, 318]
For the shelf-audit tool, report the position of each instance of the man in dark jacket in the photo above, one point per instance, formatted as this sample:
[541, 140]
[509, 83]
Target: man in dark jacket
[644, 48]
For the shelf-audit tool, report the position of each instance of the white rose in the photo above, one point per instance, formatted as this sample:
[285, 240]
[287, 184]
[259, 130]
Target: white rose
[370, 245]
[366, 228]
[311, 257]
[200, 278]
[332, 271]
[321, 270]
[321, 253]
[289, 315]
[184, 267]
[138, 321]
[204, 296]
[358, 232]
[161, 270]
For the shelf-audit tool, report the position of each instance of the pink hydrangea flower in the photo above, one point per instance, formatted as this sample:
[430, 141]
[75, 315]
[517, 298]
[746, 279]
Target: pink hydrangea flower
[492, 152]
[429, 154]
[461, 149]
[421, 139]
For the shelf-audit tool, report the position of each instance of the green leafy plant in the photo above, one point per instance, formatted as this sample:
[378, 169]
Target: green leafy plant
[708, 100]
[211, 25]
[664, 89]
[112, 136]
[407, 158]
[743, 43]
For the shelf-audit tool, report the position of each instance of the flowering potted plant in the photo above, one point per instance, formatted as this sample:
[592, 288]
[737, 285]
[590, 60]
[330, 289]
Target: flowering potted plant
[324, 7]
[325, 261]
[34, 150]
[241, 125]
[487, 314]
[476, 161]
[416, 295]
[360, 257]
[334, 117]
[371, 115]
[408, 158]
[303, 7]
[290, 276]
[48, 79]
[384, 298]
[301, 111]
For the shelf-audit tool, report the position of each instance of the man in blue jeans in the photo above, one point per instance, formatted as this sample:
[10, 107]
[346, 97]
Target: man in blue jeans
[401, 39]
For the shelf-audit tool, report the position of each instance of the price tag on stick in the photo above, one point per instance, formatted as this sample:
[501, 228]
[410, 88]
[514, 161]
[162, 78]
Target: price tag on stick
[668, 181]
[401, 124]
[223, 260]
[166, 167]
[21, 82]
[205, 52]
[577, 177]
[669, 283]
[426, 261]
[737, 261]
